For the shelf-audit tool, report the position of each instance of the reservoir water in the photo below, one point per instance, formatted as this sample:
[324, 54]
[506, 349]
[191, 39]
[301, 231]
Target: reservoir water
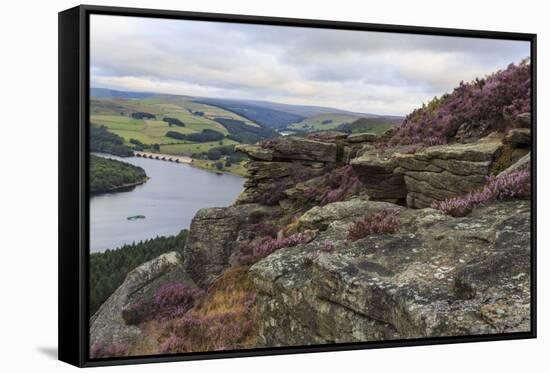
[168, 200]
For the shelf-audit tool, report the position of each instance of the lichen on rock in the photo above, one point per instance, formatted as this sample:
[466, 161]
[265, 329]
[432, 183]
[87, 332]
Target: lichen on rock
[107, 325]
[439, 276]
[440, 172]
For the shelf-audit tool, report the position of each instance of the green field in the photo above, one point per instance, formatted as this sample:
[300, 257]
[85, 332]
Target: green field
[377, 126]
[115, 115]
[235, 168]
[315, 123]
[377, 129]
[180, 104]
[190, 148]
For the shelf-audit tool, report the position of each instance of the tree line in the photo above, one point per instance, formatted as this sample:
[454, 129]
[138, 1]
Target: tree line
[139, 146]
[173, 122]
[109, 174]
[109, 269]
[206, 135]
[143, 115]
[103, 141]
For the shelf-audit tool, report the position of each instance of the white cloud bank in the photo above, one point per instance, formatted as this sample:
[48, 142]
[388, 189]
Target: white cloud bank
[360, 71]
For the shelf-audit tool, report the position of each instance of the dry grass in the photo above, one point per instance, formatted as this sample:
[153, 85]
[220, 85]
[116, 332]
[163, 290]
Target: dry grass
[227, 293]
[223, 319]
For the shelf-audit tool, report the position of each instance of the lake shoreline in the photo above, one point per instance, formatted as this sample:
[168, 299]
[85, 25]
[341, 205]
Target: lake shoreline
[169, 198]
[201, 166]
[121, 188]
[185, 160]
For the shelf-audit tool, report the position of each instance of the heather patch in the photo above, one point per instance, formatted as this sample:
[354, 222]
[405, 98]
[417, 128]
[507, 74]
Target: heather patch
[471, 111]
[266, 245]
[171, 300]
[383, 222]
[514, 185]
[335, 186]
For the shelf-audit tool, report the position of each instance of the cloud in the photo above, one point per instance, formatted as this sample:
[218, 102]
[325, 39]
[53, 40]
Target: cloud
[360, 71]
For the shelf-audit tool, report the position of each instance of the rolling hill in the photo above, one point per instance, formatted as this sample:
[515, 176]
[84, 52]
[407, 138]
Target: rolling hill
[115, 115]
[109, 93]
[269, 114]
[377, 125]
[239, 121]
[255, 112]
[323, 122]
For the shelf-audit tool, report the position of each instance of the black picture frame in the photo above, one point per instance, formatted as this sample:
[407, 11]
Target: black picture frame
[73, 252]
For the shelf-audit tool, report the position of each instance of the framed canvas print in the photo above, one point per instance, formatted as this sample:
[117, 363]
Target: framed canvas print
[237, 186]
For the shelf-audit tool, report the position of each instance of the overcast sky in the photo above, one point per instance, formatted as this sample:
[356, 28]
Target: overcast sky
[353, 70]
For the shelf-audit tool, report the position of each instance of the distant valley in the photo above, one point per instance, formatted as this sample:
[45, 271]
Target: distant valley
[207, 129]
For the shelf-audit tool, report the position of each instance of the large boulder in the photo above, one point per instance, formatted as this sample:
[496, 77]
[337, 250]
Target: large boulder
[107, 326]
[327, 136]
[440, 172]
[266, 178]
[290, 148]
[377, 174]
[279, 164]
[255, 152]
[295, 148]
[320, 217]
[438, 276]
[214, 237]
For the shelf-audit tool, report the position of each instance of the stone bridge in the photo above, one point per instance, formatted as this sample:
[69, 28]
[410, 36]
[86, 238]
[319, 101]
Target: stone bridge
[163, 157]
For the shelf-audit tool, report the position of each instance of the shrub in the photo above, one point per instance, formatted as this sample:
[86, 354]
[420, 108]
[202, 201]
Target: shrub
[273, 194]
[514, 185]
[171, 300]
[220, 332]
[268, 245]
[385, 221]
[335, 186]
[176, 298]
[225, 318]
[138, 312]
